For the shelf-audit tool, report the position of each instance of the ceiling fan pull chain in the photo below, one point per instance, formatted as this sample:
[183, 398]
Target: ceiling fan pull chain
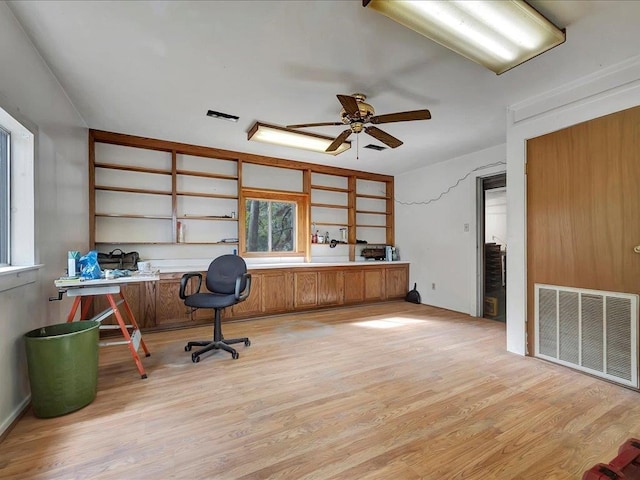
[357, 147]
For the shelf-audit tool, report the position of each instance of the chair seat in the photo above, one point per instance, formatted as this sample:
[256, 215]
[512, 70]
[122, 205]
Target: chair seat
[210, 300]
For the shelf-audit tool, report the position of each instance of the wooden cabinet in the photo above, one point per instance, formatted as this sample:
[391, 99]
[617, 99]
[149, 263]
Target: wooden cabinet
[374, 284]
[252, 306]
[305, 289]
[277, 291]
[170, 308]
[330, 288]
[396, 282]
[157, 305]
[353, 286]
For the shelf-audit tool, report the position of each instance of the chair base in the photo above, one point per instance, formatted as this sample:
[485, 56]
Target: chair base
[209, 345]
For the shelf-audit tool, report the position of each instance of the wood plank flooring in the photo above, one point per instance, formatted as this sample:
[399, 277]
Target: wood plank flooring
[387, 391]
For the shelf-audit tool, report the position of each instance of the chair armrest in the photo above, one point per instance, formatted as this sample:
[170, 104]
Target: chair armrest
[240, 296]
[184, 281]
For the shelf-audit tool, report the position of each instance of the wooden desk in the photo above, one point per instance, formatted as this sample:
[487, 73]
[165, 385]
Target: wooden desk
[111, 290]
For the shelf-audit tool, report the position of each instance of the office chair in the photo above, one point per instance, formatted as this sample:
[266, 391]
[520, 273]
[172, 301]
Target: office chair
[228, 283]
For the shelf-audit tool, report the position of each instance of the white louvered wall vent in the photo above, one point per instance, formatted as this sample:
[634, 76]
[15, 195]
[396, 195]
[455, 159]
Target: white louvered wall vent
[590, 330]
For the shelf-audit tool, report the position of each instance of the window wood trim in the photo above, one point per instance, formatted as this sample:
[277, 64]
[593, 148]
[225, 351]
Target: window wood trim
[302, 220]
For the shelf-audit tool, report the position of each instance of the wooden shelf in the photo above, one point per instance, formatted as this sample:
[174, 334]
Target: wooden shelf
[206, 217]
[129, 242]
[131, 168]
[331, 224]
[329, 205]
[185, 183]
[206, 195]
[220, 176]
[132, 190]
[377, 197]
[372, 212]
[330, 189]
[208, 243]
[126, 215]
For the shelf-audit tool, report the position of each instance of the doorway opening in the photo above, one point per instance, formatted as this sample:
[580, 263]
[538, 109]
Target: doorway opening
[492, 247]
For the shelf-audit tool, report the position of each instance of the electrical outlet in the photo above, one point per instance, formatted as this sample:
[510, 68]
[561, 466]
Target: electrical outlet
[433, 286]
[466, 227]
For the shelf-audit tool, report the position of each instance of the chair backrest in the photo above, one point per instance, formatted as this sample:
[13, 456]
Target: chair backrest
[223, 272]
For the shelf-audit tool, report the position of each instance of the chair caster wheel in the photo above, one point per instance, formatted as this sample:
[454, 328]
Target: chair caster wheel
[195, 358]
[247, 343]
[187, 348]
[235, 355]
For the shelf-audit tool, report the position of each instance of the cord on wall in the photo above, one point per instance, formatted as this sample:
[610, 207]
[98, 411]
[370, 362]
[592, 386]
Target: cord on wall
[435, 199]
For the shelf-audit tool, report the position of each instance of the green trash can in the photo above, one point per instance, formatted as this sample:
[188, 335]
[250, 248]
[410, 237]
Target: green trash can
[63, 367]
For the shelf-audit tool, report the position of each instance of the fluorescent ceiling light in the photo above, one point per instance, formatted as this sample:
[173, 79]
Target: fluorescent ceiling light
[499, 34]
[261, 132]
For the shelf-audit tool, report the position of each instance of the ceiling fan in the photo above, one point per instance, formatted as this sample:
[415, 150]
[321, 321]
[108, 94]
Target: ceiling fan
[356, 113]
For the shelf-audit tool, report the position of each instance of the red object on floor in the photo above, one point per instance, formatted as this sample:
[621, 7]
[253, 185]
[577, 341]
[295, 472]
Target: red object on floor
[626, 466]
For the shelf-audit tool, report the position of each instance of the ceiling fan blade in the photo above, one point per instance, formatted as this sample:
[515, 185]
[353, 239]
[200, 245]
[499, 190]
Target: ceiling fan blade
[338, 141]
[383, 136]
[402, 116]
[322, 124]
[350, 105]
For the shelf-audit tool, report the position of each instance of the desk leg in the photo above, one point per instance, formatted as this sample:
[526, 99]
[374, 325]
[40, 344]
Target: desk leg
[125, 332]
[74, 308]
[134, 323]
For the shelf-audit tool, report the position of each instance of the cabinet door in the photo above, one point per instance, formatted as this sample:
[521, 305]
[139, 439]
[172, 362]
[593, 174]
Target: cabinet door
[330, 288]
[170, 308]
[277, 292]
[374, 284]
[353, 286]
[396, 282]
[253, 304]
[305, 289]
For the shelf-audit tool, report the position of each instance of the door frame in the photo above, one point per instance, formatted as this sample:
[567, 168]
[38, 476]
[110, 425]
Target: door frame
[488, 182]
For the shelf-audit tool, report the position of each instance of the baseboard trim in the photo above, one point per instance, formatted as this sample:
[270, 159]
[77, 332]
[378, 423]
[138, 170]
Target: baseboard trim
[8, 424]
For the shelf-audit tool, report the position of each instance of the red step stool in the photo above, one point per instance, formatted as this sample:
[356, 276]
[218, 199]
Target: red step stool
[626, 466]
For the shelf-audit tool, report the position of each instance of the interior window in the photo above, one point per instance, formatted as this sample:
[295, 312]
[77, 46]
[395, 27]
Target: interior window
[273, 223]
[270, 226]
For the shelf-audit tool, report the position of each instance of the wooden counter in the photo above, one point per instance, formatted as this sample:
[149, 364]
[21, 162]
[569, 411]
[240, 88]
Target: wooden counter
[274, 290]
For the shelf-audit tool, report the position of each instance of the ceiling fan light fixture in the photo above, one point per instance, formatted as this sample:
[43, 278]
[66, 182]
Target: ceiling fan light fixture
[262, 132]
[496, 34]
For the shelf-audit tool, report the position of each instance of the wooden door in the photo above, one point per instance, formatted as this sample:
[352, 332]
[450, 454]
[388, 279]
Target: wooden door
[583, 207]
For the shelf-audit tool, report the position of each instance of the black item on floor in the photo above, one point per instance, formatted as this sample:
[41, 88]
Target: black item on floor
[413, 296]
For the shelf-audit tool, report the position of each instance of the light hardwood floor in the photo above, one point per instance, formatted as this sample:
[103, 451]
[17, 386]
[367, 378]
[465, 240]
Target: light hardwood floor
[388, 391]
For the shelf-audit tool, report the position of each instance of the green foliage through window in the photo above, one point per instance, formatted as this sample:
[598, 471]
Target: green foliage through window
[270, 226]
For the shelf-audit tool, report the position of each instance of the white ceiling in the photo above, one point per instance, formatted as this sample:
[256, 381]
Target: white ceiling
[154, 69]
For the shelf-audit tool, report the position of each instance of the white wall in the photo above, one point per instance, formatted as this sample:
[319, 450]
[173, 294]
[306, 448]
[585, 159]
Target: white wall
[432, 236]
[29, 92]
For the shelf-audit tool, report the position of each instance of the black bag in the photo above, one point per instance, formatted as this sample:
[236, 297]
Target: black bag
[118, 260]
[413, 296]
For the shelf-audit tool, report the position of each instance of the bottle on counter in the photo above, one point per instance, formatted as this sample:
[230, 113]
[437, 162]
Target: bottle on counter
[315, 237]
[326, 237]
[181, 232]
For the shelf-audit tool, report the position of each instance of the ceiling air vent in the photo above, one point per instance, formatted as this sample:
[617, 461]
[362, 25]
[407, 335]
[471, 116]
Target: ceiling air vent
[371, 146]
[222, 116]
